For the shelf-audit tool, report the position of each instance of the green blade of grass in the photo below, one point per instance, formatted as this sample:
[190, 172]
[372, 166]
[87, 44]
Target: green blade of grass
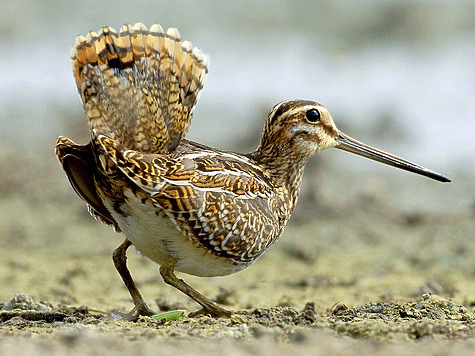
[170, 315]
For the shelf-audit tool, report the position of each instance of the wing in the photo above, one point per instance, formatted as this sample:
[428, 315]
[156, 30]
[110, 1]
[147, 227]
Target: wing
[217, 199]
[139, 86]
[78, 163]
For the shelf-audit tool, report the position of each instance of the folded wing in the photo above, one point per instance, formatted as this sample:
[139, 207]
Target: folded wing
[218, 200]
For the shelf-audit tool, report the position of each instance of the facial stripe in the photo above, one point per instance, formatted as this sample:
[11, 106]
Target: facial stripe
[290, 107]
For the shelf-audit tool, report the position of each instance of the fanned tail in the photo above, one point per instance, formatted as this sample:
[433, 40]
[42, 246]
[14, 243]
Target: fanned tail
[139, 86]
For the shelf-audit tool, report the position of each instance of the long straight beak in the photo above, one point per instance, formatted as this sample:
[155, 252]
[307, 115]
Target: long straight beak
[349, 144]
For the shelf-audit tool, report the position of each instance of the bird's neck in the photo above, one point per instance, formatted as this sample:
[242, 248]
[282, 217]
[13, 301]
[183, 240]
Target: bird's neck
[285, 169]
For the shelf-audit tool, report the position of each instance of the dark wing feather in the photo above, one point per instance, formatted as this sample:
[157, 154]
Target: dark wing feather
[77, 162]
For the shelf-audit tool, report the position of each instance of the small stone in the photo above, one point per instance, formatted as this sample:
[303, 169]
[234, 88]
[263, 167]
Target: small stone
[338, 308]
[309, 312]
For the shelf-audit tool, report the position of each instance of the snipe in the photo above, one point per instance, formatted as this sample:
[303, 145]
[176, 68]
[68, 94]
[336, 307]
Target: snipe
[186, 206]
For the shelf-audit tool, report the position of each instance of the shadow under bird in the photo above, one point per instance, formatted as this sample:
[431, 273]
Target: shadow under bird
[188, 207]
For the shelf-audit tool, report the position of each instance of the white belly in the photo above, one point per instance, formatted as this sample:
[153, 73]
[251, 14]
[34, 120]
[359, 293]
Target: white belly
[157, 238]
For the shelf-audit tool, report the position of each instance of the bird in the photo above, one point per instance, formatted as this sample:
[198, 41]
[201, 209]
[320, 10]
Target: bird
[188, 207]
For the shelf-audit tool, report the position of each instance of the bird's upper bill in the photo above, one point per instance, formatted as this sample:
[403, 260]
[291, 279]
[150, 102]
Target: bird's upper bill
[349, 144]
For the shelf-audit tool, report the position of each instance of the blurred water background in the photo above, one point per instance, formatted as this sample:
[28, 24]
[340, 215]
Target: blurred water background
[395, 74]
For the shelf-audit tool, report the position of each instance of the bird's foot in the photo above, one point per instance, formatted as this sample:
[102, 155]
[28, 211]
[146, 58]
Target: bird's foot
[134, 314]
[218, 312]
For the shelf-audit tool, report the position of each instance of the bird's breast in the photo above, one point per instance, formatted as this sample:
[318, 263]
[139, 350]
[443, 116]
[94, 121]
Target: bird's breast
[157, 236]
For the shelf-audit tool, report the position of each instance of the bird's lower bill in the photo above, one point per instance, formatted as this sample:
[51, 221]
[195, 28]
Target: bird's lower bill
[349, 144]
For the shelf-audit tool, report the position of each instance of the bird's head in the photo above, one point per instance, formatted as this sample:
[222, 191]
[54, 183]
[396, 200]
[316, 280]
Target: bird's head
[297, 129]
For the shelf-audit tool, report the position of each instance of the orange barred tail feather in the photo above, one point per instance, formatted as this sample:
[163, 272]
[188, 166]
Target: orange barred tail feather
[139, 86]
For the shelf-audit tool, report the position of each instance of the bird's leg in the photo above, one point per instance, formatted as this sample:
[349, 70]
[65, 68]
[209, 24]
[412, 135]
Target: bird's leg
[209, 307]
[120, 262]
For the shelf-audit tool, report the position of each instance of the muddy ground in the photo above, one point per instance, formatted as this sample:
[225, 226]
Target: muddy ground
[375, 262]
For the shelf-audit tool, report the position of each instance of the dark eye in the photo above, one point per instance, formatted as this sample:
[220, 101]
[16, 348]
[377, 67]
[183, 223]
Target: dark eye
[313, 115]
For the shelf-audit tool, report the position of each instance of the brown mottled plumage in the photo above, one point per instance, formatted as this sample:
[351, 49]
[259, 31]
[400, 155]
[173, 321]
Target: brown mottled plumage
[186, 206]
